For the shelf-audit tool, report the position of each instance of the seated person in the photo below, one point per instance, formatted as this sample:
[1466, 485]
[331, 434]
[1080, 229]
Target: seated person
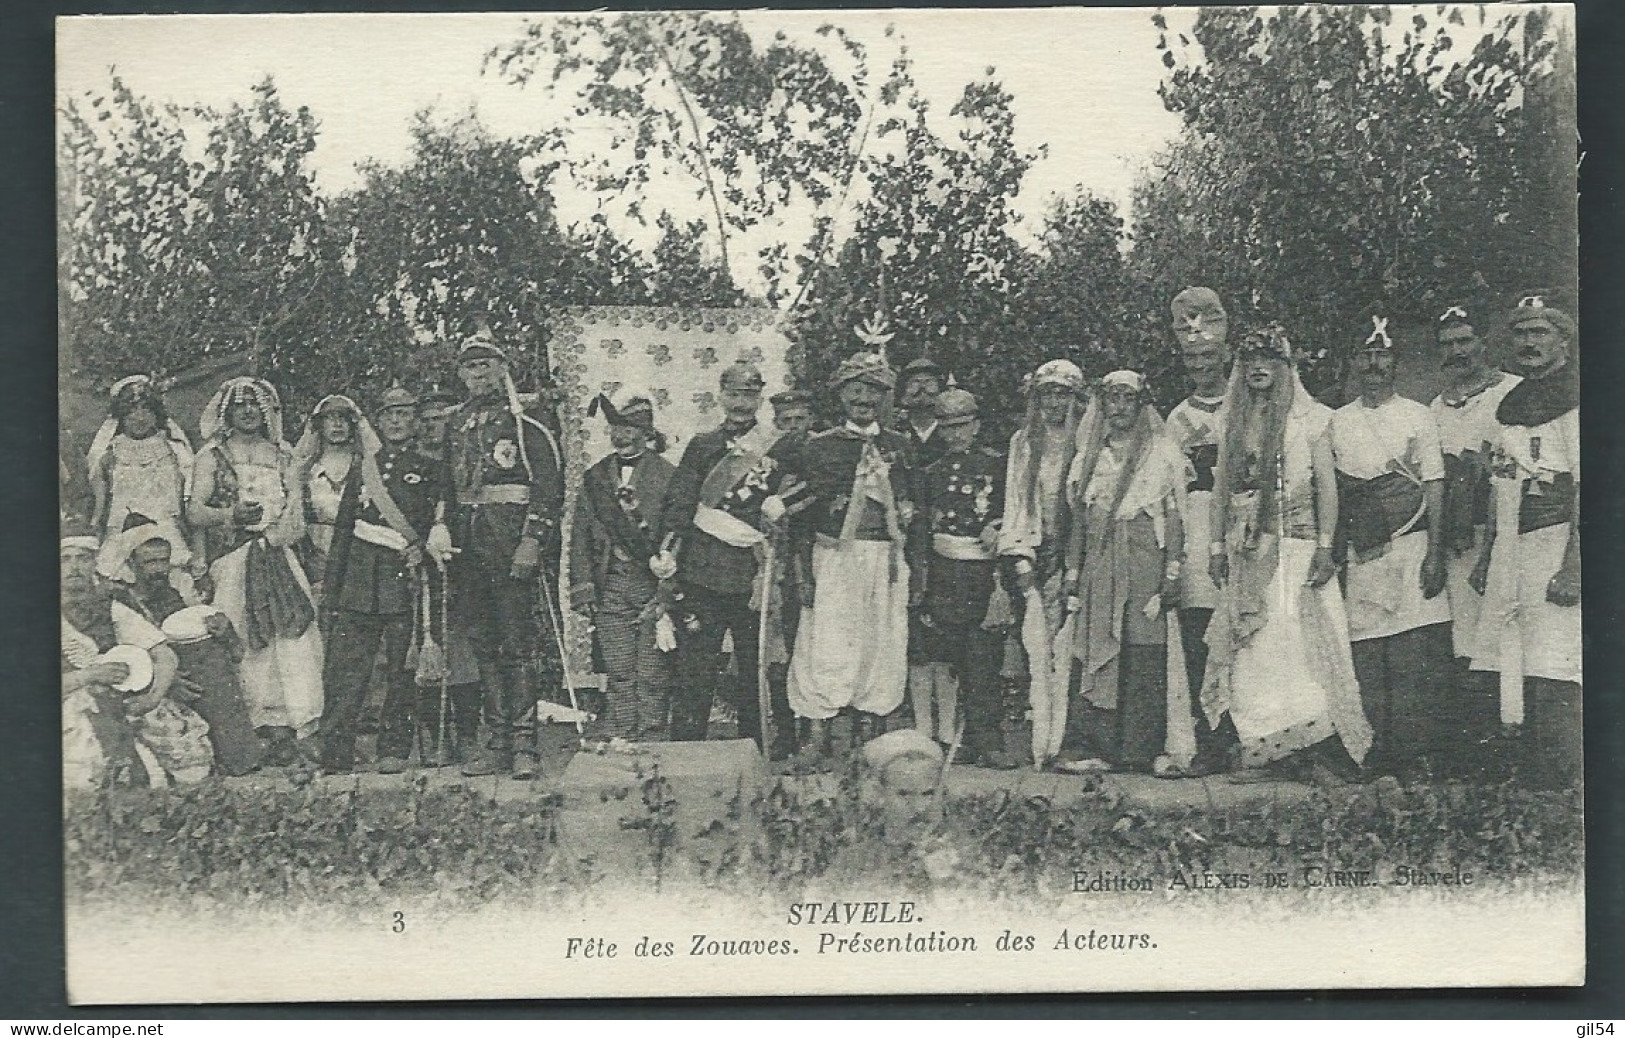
[144, 737]
[205, 644]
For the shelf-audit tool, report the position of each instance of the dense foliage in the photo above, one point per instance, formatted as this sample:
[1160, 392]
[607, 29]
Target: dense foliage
[234, 846]
[1331, 162]
[1337, 162]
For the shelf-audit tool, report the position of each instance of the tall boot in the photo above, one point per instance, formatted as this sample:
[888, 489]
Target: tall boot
[813, 752]
[504, 710]
[523, 696]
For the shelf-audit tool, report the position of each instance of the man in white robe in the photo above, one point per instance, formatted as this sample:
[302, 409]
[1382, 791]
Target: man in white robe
[1465, 414]
[1390, 475]
[1530, 566]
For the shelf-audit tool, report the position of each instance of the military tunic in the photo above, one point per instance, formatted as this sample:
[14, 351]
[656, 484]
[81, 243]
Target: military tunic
[370, 595]
[507, 486]
[959, 495]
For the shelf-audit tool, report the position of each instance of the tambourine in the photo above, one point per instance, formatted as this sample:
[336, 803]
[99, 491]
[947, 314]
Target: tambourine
[188, 625]
[139, 662]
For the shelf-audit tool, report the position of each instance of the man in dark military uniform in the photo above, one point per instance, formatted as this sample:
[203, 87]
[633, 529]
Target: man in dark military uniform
[919, 385]
[720, 506]
[508, 489]
[792, 413]
[391, 498]
[953, 552]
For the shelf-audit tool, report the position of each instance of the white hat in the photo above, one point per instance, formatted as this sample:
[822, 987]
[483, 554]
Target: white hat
[881, 751]
[1059, 372]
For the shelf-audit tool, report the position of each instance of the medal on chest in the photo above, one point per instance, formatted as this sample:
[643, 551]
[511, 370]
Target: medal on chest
[505, 453]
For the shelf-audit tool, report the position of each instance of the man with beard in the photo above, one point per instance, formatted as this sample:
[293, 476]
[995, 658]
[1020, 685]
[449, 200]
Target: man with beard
[1529, 569]
[720, 507]
[1125, 554]
[1465, 414]
[849, 545]
[391, 497]
[1032, 539]
[113, 736]
[1196, 424]
[503, 543]
[617, 511]
[953, 551]
[1390, 479]
[205, 644]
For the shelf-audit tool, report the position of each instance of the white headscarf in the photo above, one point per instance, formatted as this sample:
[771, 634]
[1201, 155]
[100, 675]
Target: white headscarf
[212, 424]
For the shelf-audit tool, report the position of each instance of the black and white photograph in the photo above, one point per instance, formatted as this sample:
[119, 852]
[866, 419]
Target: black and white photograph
[691, 503]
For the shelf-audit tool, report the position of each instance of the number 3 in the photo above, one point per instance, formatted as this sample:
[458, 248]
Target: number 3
[398, 922]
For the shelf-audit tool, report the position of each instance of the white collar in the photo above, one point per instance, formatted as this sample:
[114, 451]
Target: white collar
[869, 431]
[924, 434]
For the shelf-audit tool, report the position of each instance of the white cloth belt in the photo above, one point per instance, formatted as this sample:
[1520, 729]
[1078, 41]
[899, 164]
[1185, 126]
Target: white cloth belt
[959, 547]
[498, 494]
[383, 536]
[727, 529]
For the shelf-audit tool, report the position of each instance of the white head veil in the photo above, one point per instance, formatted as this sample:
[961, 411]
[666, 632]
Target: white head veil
[212, 424]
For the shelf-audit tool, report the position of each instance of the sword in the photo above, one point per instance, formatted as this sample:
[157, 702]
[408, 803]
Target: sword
[763, 698]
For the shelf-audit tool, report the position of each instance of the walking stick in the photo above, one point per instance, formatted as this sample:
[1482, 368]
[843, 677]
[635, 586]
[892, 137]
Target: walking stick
[764, 699]
[558, 638]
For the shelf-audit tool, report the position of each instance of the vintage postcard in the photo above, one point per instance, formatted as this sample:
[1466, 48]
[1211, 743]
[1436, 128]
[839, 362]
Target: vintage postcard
[843, 502]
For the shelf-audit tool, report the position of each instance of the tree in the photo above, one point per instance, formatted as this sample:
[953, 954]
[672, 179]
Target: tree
[192, 233]
[931, 255]
[689, 96]
[1335, 162]
[465, 234]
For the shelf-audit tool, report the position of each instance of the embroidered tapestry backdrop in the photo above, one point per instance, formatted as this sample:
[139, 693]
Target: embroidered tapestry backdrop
[676, 354]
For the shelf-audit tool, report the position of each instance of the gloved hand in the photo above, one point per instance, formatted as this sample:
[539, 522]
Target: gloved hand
[663, 565]
[439, 544]
[665, 633]
[773, 508]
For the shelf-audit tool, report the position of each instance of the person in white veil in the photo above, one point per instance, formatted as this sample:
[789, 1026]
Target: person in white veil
[140, 463]
[1124, 557]
[1279, 662]
[1032, 539]
[246, 498]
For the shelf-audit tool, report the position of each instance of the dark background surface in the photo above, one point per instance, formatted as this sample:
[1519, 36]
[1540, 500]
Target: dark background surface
[31, 948]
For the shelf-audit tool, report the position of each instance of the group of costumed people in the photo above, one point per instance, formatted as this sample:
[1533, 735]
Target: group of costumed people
[1259, 586]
